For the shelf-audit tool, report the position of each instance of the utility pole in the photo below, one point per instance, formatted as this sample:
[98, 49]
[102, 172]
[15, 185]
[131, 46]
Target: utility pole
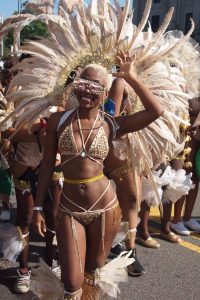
[19, 6]
[1, 46]
[19, 11]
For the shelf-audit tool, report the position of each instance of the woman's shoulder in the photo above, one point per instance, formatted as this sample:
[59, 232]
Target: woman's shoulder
[59, 118]
[54, 119]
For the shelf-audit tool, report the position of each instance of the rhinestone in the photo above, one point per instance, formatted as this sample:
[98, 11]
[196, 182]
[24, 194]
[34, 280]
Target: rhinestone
[83, 154]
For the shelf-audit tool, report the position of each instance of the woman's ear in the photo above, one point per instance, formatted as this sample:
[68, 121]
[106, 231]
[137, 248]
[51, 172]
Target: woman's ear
[106, 94]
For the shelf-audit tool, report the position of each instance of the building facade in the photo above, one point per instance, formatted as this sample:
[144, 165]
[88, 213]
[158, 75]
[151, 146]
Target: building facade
[184, 10]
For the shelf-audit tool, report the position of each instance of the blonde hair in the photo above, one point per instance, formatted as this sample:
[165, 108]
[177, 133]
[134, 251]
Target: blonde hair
[102, 69]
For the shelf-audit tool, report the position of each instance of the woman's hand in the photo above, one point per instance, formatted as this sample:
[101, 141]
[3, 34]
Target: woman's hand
[126, 65]
[38, 223]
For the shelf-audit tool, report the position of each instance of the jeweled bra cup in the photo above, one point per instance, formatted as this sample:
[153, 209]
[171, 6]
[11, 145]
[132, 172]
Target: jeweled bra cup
[98, 148]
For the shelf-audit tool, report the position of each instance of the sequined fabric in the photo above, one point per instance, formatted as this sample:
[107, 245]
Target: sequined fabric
[99, 147]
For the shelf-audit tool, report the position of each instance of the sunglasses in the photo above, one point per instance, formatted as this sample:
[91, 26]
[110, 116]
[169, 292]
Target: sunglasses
[95, 88]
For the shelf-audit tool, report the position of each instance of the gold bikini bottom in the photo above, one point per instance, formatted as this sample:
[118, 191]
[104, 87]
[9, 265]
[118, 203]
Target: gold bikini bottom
[86, 218]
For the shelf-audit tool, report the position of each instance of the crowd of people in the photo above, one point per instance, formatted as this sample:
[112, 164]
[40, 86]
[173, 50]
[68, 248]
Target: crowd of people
[87, 169]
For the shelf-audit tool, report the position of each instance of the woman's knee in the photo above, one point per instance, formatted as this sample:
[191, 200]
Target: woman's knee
[72, 282]
[94, 263]
[24, 219]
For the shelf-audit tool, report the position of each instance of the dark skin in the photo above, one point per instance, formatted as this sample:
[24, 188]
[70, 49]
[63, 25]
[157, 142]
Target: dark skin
[91, 253]
[25, 201]
[119, 94]
[190, 199]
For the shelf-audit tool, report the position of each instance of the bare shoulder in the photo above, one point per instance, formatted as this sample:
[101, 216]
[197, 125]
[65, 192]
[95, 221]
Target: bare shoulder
[118, 82]
[54, 120]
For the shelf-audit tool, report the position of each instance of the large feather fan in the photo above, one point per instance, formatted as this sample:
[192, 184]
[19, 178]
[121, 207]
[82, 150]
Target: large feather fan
[80, 34]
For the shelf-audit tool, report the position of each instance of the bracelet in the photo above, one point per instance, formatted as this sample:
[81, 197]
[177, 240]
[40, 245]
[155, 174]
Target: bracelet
[38, 208]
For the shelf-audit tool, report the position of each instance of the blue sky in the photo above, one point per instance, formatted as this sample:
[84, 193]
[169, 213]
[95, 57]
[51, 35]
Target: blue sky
[7, 7]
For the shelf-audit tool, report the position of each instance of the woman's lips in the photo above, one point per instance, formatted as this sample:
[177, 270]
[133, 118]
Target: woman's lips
[86, 100]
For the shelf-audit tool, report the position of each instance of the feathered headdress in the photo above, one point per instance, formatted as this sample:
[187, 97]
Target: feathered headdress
[80, 35]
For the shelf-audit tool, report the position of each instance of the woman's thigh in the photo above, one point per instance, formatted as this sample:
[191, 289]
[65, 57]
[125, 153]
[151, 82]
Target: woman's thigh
[96, 254]
[25, 205]
[51, 204]
[71, 241]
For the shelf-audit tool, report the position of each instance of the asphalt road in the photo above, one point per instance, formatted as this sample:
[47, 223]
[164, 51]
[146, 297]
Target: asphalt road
[173, 271]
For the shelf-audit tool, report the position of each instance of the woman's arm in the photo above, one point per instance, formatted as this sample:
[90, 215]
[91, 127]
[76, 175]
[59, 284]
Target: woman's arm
[22, 135]
[46, 170]
[153, 109]
[116, 94]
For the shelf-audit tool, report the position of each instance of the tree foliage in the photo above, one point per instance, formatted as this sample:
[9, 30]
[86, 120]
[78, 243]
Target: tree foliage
[32, 31]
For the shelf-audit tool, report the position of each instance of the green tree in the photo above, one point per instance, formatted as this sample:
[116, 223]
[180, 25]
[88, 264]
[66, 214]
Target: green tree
[32, 31]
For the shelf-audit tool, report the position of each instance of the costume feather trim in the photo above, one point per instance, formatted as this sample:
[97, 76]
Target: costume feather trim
[179, 185]
[113, 273]
[12, 241]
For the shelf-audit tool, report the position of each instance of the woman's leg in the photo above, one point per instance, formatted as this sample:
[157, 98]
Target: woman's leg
[189, 200]
[143, 235]
[71, 241]
[130, 208]
[165, 219]
[178, 208]
[143, 230]
[192, 196]
[25, 205]
[23, 220]
[50, 212]
[97, 252]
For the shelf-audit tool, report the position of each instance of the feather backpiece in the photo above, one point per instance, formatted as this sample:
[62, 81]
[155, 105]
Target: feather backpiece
[81, 34]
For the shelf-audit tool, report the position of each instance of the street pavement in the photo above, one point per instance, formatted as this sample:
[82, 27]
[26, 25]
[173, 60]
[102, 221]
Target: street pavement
[172, 272]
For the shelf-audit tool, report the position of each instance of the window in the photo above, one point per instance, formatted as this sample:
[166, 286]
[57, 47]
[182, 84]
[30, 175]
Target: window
[155, 22]
[188, 22]
[156, 1]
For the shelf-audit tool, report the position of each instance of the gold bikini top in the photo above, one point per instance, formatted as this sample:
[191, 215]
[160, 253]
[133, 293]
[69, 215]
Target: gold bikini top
[98, 149]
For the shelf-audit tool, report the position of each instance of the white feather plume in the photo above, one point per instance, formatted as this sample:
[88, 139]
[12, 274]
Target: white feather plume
[113, 273]
[11, 242]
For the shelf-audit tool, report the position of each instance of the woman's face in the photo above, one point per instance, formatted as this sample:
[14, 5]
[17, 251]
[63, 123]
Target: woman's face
[90, 88]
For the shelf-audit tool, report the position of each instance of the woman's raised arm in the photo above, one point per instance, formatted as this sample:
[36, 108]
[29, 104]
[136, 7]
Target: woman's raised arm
[153, 108]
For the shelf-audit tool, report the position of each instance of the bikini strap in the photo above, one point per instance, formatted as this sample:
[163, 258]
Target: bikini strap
[64, 118]
[113, 124]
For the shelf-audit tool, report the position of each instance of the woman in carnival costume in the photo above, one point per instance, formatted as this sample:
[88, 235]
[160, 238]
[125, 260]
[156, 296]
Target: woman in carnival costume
[188, 159]
[24, 163]
[120, 171]
[80, 36]
[5, 176]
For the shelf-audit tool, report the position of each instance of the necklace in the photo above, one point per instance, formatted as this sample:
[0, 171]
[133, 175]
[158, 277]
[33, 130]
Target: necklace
[84, 151]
